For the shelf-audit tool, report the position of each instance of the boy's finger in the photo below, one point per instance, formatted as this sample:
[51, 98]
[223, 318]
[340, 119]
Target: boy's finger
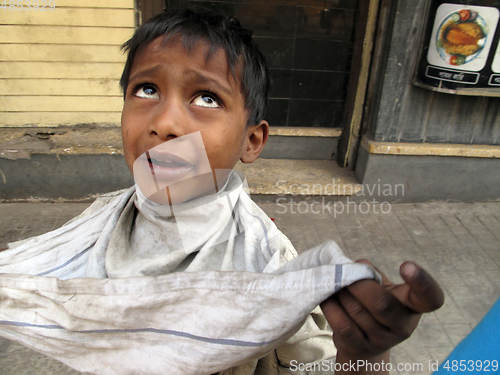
[425, 294]
[387, 307]
[341, 324]
[358, 313]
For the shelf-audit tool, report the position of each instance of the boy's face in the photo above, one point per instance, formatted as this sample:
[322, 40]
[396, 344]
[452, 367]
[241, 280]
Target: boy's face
[173, 92]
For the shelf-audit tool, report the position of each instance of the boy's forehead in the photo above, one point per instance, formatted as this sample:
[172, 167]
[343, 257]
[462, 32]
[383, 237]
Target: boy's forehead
[199, 55]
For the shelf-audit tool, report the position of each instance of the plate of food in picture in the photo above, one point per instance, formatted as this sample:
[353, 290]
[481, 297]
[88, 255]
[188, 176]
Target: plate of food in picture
[461, 36]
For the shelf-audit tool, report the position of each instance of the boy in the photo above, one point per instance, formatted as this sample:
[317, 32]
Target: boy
[195, 92]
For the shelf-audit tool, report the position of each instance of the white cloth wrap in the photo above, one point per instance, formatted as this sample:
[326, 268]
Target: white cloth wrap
[200, 321]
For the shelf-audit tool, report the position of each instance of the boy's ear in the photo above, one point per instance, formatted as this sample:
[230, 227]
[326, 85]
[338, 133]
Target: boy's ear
[256, 138]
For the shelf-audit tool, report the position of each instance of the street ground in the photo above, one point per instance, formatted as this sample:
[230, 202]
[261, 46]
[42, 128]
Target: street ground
[459, 243]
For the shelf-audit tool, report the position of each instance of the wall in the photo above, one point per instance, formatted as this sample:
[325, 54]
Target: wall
[439, 146]
[407, 113]
[62, 67]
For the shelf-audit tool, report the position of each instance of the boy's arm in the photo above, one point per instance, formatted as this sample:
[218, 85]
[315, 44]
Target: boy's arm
[368, 319]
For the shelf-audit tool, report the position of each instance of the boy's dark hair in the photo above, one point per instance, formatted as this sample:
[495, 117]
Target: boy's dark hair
[219, 31]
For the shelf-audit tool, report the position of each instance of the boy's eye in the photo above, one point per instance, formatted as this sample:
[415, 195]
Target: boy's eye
[147, 92]
[206, 100]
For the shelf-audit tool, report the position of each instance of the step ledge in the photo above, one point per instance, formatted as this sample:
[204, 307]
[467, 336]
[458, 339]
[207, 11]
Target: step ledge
[305, 132]
[20, 143]
[430, 149]
[280, 177]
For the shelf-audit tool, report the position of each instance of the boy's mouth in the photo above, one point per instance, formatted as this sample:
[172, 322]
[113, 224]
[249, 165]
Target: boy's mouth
[167, 166]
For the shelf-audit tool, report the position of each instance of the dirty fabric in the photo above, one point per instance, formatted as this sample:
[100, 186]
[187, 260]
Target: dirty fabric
[132, 287]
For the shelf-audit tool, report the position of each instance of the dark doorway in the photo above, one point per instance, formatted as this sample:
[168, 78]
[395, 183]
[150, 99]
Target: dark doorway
[308, 45]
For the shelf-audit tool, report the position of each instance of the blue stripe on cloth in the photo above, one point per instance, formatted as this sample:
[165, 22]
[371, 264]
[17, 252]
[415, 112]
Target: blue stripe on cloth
[65, 263]
[230, 342]
[338, 274]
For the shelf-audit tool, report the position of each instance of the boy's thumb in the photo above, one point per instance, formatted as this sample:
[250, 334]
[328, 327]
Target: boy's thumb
[424, 293]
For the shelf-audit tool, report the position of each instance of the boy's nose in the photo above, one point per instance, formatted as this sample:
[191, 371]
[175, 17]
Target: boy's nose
[168, 120]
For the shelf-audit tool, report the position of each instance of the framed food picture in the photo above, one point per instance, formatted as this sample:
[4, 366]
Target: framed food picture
[462, 36]
[461, 51]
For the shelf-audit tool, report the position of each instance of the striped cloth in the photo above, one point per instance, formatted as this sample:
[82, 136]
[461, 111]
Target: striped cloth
[103, 296]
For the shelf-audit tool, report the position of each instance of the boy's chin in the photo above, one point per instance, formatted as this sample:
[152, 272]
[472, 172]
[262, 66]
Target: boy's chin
[160, 197]
[186, 190]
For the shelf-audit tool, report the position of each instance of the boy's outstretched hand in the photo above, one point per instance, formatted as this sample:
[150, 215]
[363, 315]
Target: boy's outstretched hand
[368, 319]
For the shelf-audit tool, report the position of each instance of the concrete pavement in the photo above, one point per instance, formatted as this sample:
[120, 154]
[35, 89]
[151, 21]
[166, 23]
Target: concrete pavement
[459, 243]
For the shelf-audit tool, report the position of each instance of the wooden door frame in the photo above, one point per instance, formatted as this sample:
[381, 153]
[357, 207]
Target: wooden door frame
[368, 14]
